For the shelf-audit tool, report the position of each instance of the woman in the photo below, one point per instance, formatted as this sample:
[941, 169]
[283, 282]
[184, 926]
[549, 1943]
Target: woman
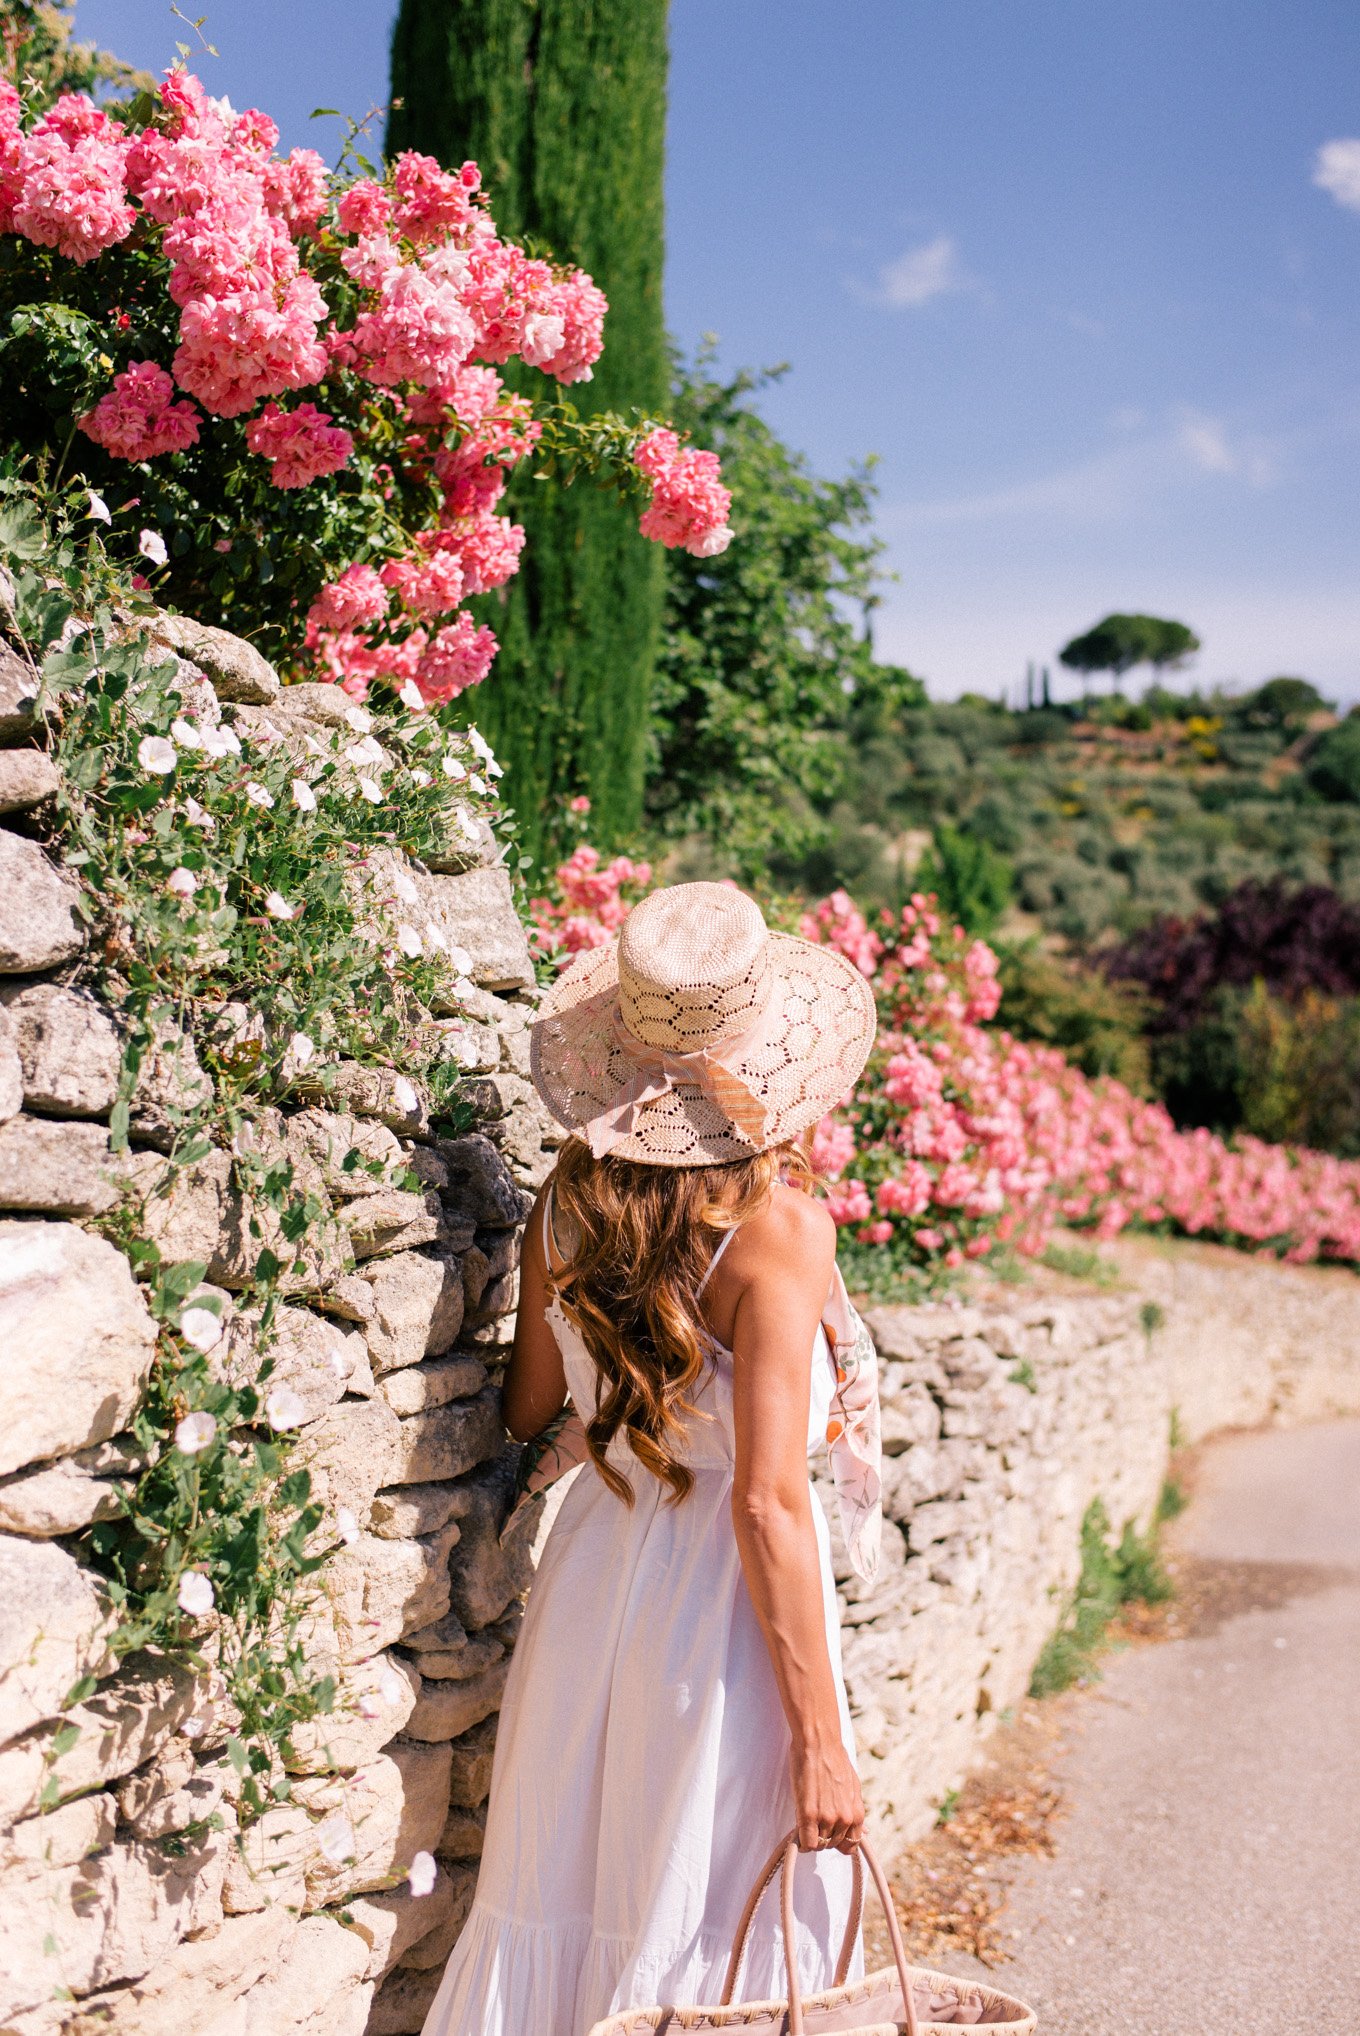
[675, 1703]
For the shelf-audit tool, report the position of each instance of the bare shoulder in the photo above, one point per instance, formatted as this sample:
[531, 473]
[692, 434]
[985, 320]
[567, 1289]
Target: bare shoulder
[791, 1233]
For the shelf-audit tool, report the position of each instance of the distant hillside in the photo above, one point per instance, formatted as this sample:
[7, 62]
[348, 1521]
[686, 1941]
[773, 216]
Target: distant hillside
[1107, 813]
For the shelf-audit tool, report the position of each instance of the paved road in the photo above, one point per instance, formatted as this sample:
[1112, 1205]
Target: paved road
[1207, 1877]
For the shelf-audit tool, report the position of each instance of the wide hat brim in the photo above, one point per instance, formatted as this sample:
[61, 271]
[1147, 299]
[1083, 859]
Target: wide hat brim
[816, 1036]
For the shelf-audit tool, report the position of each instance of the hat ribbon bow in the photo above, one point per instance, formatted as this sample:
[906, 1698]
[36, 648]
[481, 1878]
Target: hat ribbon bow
[659, 1069]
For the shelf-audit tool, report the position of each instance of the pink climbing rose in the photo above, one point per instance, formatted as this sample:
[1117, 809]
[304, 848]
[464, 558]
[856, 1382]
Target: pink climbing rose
[139, 419]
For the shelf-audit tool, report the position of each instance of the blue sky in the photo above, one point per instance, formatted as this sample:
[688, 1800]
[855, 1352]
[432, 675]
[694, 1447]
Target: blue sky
[1063, 266]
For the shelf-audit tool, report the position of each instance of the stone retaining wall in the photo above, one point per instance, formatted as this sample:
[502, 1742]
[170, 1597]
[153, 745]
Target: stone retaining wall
[121, 1909]
[1002, 1422]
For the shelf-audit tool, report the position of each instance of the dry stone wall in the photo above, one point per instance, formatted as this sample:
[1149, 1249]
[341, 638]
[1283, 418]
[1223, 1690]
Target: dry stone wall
[1002, 1422]
[123, 1906]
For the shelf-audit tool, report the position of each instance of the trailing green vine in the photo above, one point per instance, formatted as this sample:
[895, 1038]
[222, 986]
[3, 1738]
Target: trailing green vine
[233, 902]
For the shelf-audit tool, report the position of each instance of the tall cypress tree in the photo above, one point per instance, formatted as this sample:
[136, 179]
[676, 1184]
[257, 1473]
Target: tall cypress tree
[563, 103]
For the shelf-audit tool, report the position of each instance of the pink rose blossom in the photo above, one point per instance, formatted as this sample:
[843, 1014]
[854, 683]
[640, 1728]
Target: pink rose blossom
[427, 585]
[689, 502]
[419, 331]
[458, 657]
[295, 190]
[234, 350]
[364, 208]
[489, 548]
[255, 132]
[833, 1148]
[431, 202]
[138, 419]
[301, 444]
[73, 196]
[11, 155]
[357, 596]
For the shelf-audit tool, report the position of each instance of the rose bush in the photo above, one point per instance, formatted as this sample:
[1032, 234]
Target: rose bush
[959, 1138]
[290, 376]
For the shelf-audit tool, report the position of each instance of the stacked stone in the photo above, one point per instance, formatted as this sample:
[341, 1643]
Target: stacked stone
[1000, 1428]
[120, 1908]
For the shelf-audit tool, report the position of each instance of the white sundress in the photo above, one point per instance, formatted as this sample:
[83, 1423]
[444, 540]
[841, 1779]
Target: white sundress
[641, 1772]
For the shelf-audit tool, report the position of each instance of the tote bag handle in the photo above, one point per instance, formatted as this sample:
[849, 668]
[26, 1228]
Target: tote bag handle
[783, 1861]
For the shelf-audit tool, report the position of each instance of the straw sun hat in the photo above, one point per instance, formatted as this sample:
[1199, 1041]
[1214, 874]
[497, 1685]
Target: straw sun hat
[700, 1036]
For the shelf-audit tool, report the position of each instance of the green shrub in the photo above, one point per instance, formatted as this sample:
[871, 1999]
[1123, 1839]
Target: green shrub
[972, 882]
[1334, 767]
[1096, 1023]
[1129, 1572]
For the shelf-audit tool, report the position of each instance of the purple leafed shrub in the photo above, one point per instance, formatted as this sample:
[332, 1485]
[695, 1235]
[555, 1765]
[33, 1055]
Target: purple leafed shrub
[1293, 941]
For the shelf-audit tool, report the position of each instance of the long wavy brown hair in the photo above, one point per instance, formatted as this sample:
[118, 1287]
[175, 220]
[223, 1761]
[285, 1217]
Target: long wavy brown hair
[639, 1240]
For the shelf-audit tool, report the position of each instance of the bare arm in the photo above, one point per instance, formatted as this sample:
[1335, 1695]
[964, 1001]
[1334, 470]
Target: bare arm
[535, 1386]
[783, 1261]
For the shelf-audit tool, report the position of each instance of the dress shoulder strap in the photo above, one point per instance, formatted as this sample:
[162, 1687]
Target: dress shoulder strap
[709, 1268]
[550, 1243]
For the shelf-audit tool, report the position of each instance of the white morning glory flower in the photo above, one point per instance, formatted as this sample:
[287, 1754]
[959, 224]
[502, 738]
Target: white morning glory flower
[201, 1328]
[409, 941]
[196, 1431]
[371, 791]
[481, 745]
[422, 777]
[259, 795]
[185, 734]
[453, 769]
[336, 1838]
[412, 697]
[359, 719]
[151, 545]
[99, 508]
[346, 1526]
[284, 1408]
[183, 883]
[303, 795]
[195, 1594]
[301, 1049]
[278, 906]
[154, 753]
[219, 742]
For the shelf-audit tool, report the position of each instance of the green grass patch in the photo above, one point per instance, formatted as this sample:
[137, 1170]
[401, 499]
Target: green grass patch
[1172, 1501]
[1113, 1574]
[1079, 1262]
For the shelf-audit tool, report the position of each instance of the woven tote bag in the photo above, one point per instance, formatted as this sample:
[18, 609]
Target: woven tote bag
[899, 2000]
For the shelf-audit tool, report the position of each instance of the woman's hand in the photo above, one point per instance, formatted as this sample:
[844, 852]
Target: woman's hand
[828, 1803]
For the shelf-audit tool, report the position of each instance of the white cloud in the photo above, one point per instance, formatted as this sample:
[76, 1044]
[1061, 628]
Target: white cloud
[1207, 444]
[932, 270]
[1205, 440]
[1336, 168]
[1152, 461]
